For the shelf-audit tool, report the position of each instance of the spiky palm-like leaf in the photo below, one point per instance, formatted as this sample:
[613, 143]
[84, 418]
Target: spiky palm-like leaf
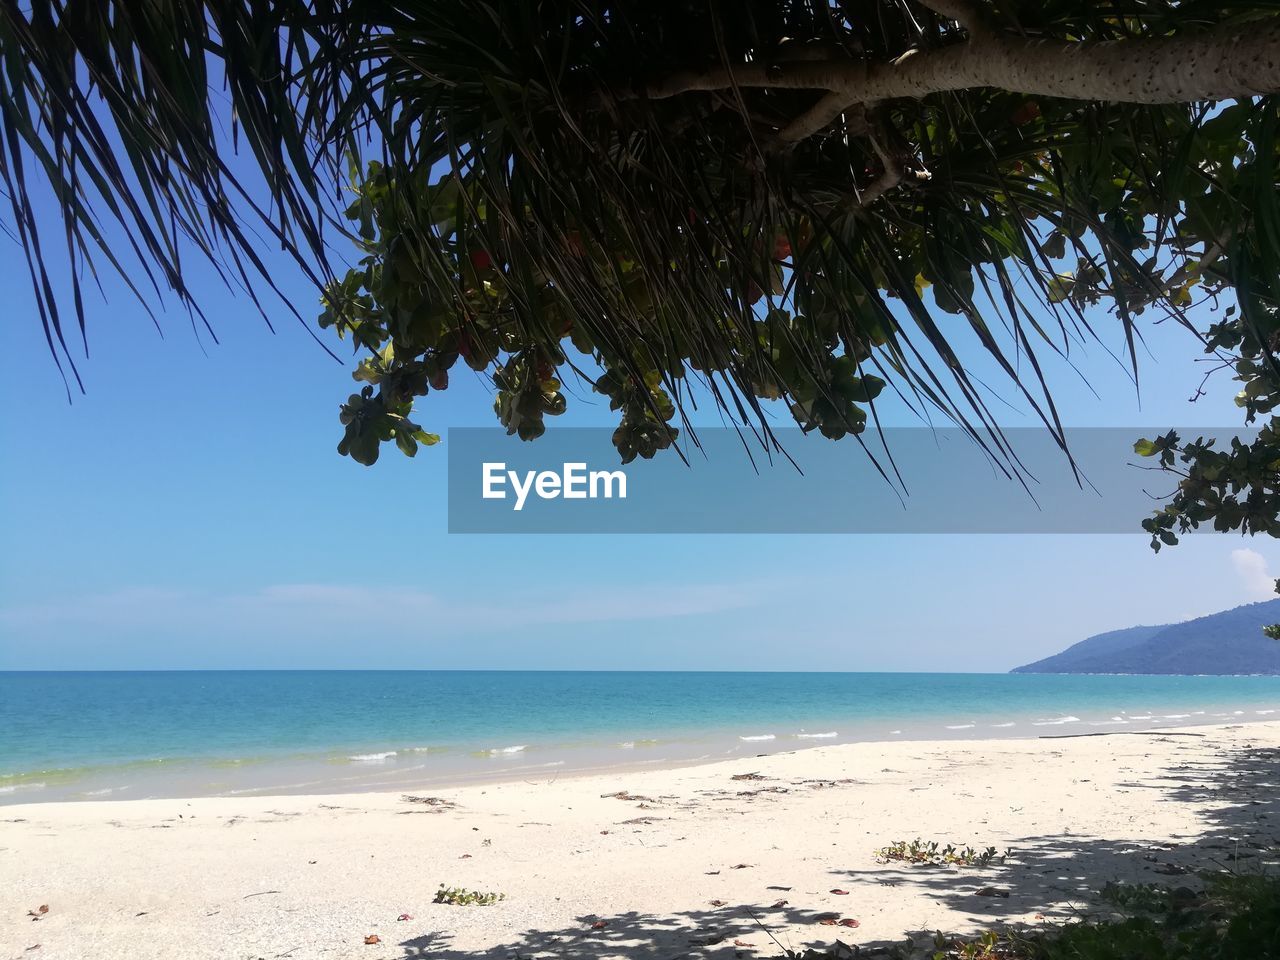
[672, 191]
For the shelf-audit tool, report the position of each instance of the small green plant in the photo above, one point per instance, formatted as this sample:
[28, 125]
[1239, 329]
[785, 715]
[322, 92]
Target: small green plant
[462, 897]
[991, 945]
[931, 852]
[1132, 898]
[1234, 918]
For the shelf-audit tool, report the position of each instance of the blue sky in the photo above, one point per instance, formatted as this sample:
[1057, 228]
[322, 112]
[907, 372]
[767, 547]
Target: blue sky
[191, 511]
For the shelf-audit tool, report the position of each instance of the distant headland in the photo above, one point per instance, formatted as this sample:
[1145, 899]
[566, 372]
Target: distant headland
[1224, 643]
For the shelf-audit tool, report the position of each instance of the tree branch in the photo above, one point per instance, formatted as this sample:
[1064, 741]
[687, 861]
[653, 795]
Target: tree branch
[1238, 60]
[963, 12]
[891, 177]
[816, 118]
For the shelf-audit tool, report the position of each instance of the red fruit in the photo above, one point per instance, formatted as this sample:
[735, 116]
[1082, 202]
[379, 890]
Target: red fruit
[781, 248]
[1026, 113]
[481, 260]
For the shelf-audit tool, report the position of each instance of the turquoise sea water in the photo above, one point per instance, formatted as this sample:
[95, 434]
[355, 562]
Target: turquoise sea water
[125, 735]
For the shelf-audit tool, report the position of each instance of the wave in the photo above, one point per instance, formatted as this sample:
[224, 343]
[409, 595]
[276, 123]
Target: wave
[1176, 716]
[1009, 724]
[892, 732]
[372, 757]
[762, 736]
[1054, 721]
[500, 751]
[15, 787]
[817, 736]
[1264, 711]
[961, 726]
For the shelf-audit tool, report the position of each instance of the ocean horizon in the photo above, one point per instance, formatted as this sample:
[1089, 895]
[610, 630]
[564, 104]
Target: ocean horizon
[70, 735]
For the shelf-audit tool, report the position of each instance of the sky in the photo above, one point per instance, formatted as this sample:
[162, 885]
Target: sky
[189, 511]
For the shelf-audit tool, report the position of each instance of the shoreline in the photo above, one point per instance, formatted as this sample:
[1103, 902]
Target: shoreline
[197, 734]
[669, 860]
[371, 774]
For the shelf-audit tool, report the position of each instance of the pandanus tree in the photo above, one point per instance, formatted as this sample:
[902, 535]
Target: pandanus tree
[784, 205]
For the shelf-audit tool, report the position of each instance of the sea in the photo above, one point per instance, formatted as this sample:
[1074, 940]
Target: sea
[124, 735]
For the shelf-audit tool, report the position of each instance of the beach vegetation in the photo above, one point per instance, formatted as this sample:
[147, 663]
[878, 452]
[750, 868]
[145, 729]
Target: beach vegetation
[933, 853]
[788, 207]
[462, 897]
[1233, 918]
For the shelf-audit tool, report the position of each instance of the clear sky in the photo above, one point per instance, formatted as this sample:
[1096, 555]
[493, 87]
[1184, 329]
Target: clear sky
[190, 511]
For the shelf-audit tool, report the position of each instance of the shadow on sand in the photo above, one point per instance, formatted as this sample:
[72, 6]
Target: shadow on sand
[1055, 876]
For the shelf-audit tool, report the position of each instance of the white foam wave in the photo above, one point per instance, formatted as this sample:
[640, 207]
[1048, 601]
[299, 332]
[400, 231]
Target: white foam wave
[891, 732]
[762, 736]
[1177, 716]
[500, 751]
[817, 736]
[14, 788]
[960, 726]
[1264, 711]
[1009, 724]
[1054, 721]
[372, 757]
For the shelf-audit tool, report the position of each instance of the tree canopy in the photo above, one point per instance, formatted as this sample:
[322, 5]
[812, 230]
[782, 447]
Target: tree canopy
[790, 204]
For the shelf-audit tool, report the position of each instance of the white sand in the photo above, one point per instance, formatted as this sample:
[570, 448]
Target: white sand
[305, 877]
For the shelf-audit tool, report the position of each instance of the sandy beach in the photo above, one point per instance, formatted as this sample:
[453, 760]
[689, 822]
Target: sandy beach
[732, 859]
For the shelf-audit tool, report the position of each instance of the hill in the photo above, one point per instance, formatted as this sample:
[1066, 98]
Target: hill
[1230, 642]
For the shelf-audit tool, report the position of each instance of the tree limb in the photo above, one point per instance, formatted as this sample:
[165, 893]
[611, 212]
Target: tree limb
[891, 177]
[1238, 60]
[816, 118]
[963, 12]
